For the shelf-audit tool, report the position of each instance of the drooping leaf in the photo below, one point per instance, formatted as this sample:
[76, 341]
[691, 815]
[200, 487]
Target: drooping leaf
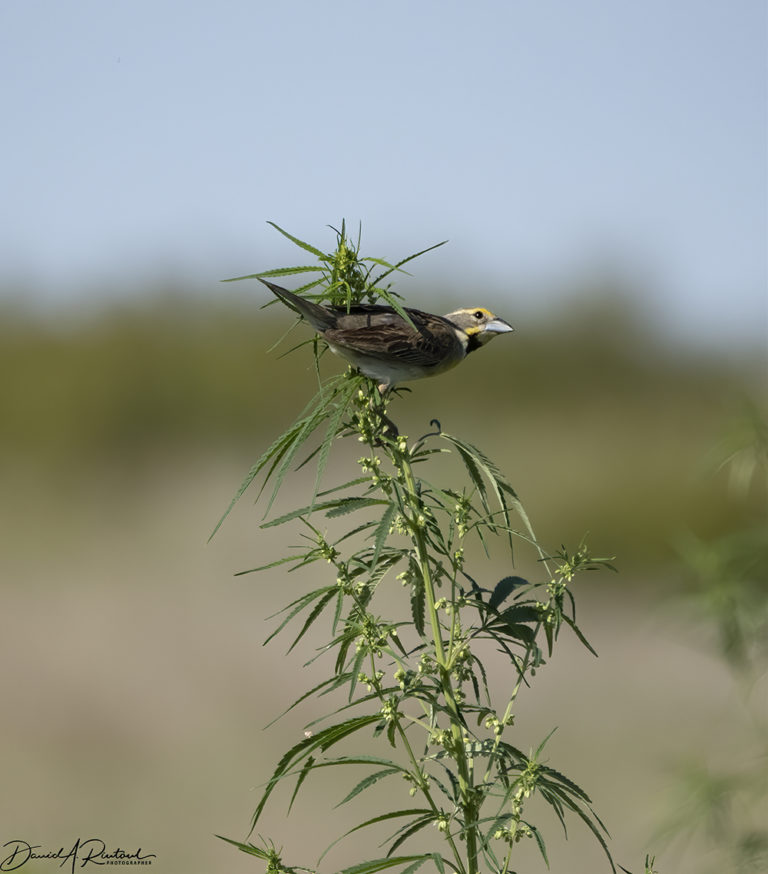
[298, 605]
[383, 864]
[290, 559]
[590, 819]
[350, 505]
[418, 602]
[335, 419]
[503, 589]
[322, 741]
[411, 830]
[326, 685]
[539, 842]
[316, 611]
[336, 507]
[376, 819]
[382, 531]
[276, 459]
[306, 768]
[577, 631]
[367, 782]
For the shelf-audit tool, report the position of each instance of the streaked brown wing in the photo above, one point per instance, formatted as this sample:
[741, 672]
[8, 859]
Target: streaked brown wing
[397, 341]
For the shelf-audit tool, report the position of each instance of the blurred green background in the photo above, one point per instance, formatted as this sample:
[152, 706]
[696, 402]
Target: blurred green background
[136, 688]
[600, 172]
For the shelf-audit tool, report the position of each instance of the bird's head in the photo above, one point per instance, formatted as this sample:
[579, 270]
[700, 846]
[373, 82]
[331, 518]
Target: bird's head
[479, 324]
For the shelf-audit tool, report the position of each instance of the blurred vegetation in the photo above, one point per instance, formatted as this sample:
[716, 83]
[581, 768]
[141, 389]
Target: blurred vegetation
[722, 802]
[587, 404]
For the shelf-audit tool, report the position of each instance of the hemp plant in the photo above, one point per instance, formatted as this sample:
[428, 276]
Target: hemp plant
[416, 685]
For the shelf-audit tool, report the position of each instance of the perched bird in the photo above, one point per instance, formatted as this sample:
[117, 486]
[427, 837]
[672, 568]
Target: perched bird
[380, 343]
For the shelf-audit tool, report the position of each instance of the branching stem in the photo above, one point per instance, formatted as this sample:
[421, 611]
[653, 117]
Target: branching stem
[416, 509]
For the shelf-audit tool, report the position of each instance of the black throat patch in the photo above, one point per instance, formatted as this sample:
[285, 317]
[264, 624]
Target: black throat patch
[473, 343]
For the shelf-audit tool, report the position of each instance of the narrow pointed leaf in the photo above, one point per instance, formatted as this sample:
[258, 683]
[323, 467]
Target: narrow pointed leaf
[316, 611]
[367, 782]
[306, 768]
[368, 822]
[539, 843]
[399, 264]
[246, 848]
[322, 741]
[412, 830]
[503, 589]
[350, 505]
[383, 864]
[301, 603]
[418, 602]
[279, 271]
[382, 531]
[578, 633]
[306, 246]
[327, 685]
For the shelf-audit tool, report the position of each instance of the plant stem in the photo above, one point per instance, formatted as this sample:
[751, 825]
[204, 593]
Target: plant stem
[417, 526]
[423, 786]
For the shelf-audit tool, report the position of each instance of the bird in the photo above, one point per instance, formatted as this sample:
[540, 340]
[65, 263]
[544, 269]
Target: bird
[383, 346]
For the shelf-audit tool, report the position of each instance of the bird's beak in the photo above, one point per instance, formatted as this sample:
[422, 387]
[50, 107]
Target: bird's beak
[498, 326]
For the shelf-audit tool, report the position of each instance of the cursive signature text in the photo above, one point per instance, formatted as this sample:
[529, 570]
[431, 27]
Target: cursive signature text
[93, 850]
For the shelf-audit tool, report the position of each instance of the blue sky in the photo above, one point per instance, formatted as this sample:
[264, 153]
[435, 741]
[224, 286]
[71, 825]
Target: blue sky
[544, 139]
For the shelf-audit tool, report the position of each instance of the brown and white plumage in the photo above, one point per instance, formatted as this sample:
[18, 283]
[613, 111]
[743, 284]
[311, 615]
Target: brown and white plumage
[380, 343]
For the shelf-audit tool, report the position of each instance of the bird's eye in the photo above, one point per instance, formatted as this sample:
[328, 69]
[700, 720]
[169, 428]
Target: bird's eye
[478, 314]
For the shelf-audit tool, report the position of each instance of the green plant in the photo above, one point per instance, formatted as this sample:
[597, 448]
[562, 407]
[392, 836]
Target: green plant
[724, 805]
[417, 683]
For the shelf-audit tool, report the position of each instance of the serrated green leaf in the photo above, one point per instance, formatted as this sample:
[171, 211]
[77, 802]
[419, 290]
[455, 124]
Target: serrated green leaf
[316, 611]
[251, 849]
[350, 505]
[541, 746]
[418, 603]
[276, 563]
[572, 787]
[336, 507]
[279, 455]
[359, 760]
[438, 860]
[375, 865]
[367, 782]
[368, 822]
[347, 485]
[577, 631]
[279, 271]
[355, 671]
[416, 865]
[302, 435]
[591, 820]
[382, 531]
[358, 529]
[274, 451]
[503, 589]
[334, 422]
[306, 768]
[322, 741]
[306, 246]
[411, 830]
[539, 842]
[327, 685]
[392, 268]
[300, 604]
